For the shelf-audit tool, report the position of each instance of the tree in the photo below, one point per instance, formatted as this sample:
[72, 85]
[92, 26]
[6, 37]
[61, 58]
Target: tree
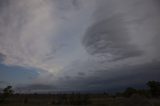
[6, 93]
[154, 88]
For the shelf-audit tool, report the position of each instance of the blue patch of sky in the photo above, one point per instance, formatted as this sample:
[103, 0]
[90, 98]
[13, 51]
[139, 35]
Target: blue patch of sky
[17, 75]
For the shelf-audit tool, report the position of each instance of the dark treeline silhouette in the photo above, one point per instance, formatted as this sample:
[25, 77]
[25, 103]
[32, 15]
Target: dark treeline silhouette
[8, 91]
[151, 91]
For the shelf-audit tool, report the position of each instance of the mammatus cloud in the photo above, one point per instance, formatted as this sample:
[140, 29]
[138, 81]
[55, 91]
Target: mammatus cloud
[64, 39]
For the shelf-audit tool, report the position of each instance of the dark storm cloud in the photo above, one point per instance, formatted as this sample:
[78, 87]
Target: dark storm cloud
[136, 76]
[36, 87]
[110, 37]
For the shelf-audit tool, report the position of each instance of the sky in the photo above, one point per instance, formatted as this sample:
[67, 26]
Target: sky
[79, 45]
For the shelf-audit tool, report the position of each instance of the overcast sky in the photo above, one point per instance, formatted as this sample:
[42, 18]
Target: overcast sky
[84, 45]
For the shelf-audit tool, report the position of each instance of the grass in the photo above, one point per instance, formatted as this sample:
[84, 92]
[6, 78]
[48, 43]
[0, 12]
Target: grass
[78, 100]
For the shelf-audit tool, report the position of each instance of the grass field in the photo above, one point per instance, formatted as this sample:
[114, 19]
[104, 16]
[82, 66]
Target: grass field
[78, 100]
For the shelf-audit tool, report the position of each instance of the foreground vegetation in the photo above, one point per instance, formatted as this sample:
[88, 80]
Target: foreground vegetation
[130, 97]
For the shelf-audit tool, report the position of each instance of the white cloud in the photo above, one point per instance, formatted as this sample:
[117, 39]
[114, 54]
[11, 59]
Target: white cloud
[41, 34]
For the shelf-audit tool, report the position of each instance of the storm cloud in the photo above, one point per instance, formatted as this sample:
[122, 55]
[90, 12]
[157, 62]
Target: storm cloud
[110, 38]
[35, 88]
[85, 42]
[103, 80]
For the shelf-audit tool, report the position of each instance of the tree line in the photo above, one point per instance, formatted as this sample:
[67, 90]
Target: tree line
[152, 91]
